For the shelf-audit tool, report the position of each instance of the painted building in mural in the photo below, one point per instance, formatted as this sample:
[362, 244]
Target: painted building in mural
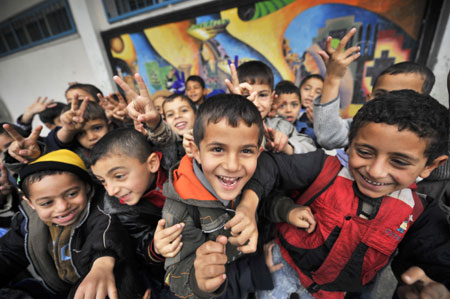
[285, 34]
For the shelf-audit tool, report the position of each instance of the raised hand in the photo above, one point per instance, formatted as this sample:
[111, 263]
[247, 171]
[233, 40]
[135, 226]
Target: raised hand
[188, 140]
[36, 107]
[114, 109]
[277, 141]
[73, 120]
[141, 107]
[234, 87]
[338, 60]
[23, 149]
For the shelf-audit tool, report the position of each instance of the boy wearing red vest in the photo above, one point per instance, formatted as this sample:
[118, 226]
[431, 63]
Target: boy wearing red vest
[204, 193]
[363, 209]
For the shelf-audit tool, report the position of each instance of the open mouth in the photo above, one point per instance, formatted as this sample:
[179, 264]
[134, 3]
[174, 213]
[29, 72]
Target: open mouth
[373, 182]
[228, 182]
[181, 125]
[61, 219]
[125, 198]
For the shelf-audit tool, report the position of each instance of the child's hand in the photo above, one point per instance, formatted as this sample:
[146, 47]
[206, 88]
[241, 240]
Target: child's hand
[114, 109]
[99, 282]
[5, 185]
[310, 113]
[141, 107]
[244, 231]
[167, 241]
[209, 264]
[188, 139]
[72, 120]
[302, 217]
[338, 60]
[277, 141]
[269, 259]
[419, 285]
[234, 87]
[36, 107]
[23, 149]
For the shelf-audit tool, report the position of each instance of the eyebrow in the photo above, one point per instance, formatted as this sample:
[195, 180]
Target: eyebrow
[50, 197]
[223, 144]
[114, 169]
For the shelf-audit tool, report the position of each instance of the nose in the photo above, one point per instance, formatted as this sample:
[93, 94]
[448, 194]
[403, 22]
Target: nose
[112, 189]
[91, 135]
[62, 205]
[377, 169]
[231, 162]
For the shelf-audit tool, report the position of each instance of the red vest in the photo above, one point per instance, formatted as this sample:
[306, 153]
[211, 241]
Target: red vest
[345, 251]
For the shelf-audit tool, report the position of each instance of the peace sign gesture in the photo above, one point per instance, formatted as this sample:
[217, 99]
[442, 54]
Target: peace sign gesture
[141, 107]
[72, 120]
[23, 149]
[113, 108]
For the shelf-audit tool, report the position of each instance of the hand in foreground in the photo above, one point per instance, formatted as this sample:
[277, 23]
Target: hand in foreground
[99, 282]
[23, 149]
[420, 286]
[302, 217]
[210, 263]
[167, 241]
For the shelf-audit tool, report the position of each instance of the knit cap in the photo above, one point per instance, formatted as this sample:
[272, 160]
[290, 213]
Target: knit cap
[60, 160]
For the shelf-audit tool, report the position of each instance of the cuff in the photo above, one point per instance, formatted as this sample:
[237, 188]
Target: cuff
[318, 103]
[154, 257]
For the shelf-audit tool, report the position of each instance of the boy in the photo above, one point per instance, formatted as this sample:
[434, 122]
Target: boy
[256, 78]
[195, 89]
[82, 126]
[75, 247]
[361, 211]
[204, 193]
[330, 129]
[50, 116]
[129, 169]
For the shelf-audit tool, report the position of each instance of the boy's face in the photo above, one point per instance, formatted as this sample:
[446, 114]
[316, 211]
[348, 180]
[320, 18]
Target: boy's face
[58, 198]
[388, 82]
[228, 156]
[126, 177]
[179, 115]
[383, 159]
[5, 141]
[264, 98]
[158, 104]
[91, 132]
[290, 106]
[194, 91]
[310, 90]
[70, 95]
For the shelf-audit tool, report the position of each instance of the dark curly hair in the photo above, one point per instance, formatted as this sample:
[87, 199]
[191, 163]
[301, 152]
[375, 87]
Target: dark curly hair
[408, 110]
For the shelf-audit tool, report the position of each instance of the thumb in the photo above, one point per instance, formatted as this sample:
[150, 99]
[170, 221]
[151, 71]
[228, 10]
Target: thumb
[415, 274]
[222, 240]
[160, 225]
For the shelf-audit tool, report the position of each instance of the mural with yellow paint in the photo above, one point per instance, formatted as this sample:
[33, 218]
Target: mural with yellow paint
[285, 34]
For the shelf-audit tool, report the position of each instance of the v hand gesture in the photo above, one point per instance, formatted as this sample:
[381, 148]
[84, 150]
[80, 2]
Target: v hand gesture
[23, 149]
[72, 120]
[141, 107]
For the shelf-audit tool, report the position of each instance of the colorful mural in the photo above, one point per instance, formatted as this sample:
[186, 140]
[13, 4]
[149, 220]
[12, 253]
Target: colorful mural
[285, 34]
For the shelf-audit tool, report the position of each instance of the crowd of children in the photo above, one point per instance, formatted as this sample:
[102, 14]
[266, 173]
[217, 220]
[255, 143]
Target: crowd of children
[232, 195]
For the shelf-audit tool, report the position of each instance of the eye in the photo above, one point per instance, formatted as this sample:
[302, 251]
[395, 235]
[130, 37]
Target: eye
[363, 153]
[283, 106]
[400, 162]
[217, 149]
[263, 94]
[97, 128]
[248, 151]
[119, 176]
[46, 203]
[295, 104]
[170, 114]
[72, 193]
[185, 110]
[82, 133]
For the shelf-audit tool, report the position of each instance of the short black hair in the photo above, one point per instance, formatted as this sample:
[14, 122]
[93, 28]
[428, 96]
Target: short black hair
[255, 72]
[123, 141]
[412, 111]
[408, 67]
[232, 107]
[312, 76]
[37, 176]
[287, 87]
[171, 98]
[49, 114]
[196, 78]
[94, 111]
[89, 88]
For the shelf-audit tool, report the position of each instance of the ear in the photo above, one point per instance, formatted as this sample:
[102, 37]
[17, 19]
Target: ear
[88, 188]
[205, 91]
[436, 163]
[28, 201]
[260, 150]
[153, 163]
[195, 152]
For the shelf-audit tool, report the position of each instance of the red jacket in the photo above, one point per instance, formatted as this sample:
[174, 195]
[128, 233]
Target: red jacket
[345, 251]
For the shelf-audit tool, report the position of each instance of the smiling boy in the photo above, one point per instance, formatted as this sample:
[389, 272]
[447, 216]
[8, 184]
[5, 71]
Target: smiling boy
[72, 244]
[361, 211]
[204, 193]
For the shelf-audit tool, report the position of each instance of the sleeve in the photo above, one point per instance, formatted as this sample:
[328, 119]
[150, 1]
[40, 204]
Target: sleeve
[300, 142]
[285, 172]
[330, 129]
[180, 274]
[12, 252]
[26, 127]
[53, 143]
[278, 207]
[162, 134]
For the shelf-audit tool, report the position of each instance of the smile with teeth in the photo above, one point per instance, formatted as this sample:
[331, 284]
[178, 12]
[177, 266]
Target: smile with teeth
[229, 181]
[180, 124]
[66, 217]
[372, 182]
